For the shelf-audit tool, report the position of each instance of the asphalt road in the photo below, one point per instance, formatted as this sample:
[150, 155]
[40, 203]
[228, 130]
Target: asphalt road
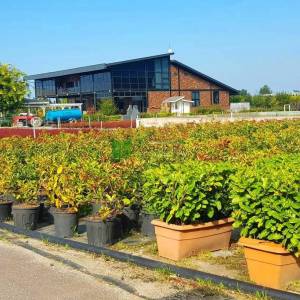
[26, 275]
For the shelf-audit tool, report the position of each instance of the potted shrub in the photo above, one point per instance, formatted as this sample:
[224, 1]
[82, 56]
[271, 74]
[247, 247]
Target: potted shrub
[97, 182]
[146, 217]
[125, 181]
[65, 190]
[5, 190]
[25, 185]
[192, 202]
[105, 228]
[26, 209]
[266, 204]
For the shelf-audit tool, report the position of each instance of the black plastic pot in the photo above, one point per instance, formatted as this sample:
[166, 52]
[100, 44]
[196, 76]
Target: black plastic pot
[95, 207]
[130, 218]
[26, 217]
[102, 233]
[5, 210]
[146, 227]
[41, 212]
[49, 214]
[65, 223]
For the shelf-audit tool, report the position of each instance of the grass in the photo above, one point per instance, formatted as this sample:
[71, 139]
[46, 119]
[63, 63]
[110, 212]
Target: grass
[236, 261]
[164, 273]
[294, 286]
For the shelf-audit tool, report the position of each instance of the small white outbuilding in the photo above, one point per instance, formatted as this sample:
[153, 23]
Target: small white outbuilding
[178, 105]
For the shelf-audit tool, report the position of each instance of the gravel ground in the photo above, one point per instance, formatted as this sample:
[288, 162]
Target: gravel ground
[32, 269]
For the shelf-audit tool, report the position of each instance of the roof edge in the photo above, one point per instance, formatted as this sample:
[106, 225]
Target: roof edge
[91, 68]
[206, 77]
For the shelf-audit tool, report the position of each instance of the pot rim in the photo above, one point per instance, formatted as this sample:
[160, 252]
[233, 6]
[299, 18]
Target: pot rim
[26, 206]
[263, 245]
[63, 211]
[98, 220]
[225, 221]
[6, 202]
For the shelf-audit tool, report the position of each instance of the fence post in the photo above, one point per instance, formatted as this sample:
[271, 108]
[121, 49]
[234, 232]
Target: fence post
[101, 124]
[89, 122]
[34, 133]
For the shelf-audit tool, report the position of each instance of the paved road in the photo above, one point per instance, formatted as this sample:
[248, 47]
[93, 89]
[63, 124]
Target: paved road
[26, 275]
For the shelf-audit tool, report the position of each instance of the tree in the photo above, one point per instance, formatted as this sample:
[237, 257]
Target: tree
[265, 90]
[13, 88]
[243, 96]
[108, 107]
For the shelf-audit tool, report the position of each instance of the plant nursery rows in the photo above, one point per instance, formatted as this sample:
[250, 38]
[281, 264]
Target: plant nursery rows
[190, 183]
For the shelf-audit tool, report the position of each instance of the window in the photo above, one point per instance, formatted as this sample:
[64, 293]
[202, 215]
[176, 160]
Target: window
[86, 83]
[216, 97]
[49, 87]
[102, 81]
[38, 88]
[196, 98]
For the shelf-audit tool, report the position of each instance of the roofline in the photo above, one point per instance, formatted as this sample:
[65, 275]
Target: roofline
[206, 77]
[91, 68]
[71, 71]
[140, 59]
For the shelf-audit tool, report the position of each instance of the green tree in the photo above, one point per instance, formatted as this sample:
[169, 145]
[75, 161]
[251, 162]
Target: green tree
[243, 96]
[265, 90]
[13, 88]
[108, 107]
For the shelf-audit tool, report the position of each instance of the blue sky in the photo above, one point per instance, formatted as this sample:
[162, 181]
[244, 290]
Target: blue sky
[245, 43]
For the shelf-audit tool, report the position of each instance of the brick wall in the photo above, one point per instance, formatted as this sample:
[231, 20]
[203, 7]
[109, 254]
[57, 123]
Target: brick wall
[155, 98]
[187, 83]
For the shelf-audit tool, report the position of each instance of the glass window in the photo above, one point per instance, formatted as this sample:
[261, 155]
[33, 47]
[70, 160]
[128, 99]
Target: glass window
[86, 83]
[152, 74]
[49, 87]
[216, 97]
[196, 98]
[38, 88]
[102, 81]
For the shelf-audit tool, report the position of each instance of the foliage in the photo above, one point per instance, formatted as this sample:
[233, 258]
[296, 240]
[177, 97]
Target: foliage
[64, 186]
[13, 88]
[207, 110]
[91, 172]
[188, 193]
[161, 114]
[265, 90]
[243, 96]
[266, 201]
[267, 101]
[121, 149]
[107, 107]
[99, 116]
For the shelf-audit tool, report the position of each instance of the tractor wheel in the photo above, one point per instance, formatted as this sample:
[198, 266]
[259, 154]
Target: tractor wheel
[36, 122]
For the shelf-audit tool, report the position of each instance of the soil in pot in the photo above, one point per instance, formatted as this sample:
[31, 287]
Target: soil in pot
[269, 264]
[101, 233]
[26, 216]
[145, 223]
[178, 241]
[65, 223]
[5, 210]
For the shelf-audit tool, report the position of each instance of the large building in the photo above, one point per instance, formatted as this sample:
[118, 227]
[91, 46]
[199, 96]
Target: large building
[145, 82]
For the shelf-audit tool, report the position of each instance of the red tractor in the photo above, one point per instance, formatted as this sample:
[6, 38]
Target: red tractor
[27, 119]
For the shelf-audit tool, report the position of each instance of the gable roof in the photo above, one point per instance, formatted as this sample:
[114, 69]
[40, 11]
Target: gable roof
[175, 99]
[205, 77]
[92, 68]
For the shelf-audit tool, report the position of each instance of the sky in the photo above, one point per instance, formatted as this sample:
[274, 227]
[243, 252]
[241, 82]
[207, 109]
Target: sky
[243, 43]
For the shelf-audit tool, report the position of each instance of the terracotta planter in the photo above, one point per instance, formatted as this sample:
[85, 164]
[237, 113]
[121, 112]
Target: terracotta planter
[179, 241]
[269, 264]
